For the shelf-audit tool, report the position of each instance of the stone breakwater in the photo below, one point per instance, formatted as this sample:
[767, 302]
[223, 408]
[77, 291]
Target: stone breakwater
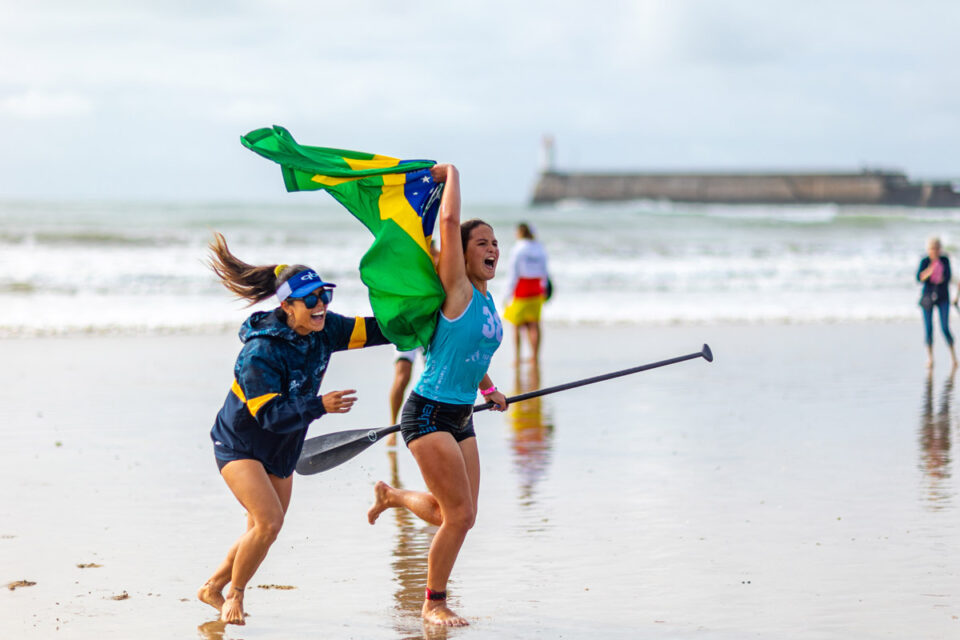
[866, 188]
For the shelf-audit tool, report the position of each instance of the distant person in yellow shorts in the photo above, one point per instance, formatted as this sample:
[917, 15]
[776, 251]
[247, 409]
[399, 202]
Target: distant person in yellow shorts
[529, 282]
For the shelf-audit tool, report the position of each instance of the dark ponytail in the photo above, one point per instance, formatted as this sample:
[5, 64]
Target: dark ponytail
[246, 281]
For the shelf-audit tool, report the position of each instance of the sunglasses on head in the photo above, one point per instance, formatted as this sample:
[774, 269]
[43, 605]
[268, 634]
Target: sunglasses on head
[310, 301]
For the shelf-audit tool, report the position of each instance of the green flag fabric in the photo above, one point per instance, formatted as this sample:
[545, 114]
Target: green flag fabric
[398, 201]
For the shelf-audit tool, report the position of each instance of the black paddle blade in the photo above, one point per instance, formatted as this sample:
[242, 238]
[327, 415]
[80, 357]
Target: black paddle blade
[331, 449]
[706, 353]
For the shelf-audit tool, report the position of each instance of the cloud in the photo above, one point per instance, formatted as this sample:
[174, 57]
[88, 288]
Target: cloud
[35, 104]
[639, 84]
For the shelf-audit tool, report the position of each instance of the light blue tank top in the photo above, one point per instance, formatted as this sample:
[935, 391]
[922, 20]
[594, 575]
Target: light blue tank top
[460, 352]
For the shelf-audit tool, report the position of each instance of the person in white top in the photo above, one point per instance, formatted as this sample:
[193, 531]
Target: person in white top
[528, 287]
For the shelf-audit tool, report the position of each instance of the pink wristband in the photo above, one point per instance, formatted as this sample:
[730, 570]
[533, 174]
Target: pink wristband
[486, 392]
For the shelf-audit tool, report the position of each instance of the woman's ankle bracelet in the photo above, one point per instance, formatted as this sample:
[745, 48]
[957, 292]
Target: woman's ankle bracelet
[436, 595]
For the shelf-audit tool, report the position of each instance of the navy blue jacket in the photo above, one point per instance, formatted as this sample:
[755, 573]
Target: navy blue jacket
[276, 380]
[942, 290]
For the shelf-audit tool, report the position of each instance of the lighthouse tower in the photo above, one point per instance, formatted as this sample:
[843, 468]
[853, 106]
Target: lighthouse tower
[546, 154]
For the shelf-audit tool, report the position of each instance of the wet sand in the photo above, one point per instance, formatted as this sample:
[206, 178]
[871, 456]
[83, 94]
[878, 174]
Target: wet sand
[801, 486]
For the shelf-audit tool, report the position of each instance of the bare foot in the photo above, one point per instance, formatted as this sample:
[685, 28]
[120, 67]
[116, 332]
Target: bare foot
[232, 611]
[392, 440]
[381, 492]
[437, 612]
[211, 595]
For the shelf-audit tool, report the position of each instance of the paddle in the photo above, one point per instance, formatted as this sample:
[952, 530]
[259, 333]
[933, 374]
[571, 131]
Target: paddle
[332, 449]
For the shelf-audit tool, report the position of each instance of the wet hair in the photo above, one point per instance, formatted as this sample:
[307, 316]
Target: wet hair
[525, 231]
[466, 228]
[247, 281]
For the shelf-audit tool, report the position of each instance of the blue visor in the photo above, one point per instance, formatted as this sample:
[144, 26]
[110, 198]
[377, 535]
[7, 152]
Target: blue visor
[301, 284]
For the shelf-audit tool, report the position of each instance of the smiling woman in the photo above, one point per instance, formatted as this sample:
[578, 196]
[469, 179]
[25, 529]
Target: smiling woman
[311, 292]
[437, 419]
[259, 432]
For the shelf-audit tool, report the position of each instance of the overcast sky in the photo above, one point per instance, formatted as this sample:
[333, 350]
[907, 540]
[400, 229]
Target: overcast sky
[135, 99]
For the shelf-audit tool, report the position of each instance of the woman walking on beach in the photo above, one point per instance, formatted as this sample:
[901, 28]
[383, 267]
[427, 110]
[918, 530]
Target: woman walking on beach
[934, 273]
[528, 286]
[259, 432]
[437, 419]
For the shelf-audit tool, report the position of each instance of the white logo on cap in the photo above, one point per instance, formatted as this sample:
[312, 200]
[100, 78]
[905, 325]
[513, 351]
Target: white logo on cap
[309, 275]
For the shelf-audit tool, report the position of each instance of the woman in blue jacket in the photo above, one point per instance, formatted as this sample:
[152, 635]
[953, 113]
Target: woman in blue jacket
[934, 273]
[259, 432]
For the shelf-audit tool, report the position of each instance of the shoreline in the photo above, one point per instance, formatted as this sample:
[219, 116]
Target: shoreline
[222, 329]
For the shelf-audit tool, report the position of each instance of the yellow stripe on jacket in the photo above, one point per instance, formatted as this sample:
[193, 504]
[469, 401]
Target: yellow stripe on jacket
[359, 336]
[254, 404]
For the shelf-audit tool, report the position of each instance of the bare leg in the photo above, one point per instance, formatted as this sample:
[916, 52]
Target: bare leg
[516, 344]
[266, 499]
[929, 356]
[212, 590]
[533, 335]
[402, 369]
[442, 461]
[452, 474]
[419, 503]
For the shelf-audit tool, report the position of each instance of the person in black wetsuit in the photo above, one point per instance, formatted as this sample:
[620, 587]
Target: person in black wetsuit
[259, 432]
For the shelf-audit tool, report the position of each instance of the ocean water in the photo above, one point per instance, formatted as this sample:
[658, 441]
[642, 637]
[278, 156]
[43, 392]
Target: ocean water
[109, 267]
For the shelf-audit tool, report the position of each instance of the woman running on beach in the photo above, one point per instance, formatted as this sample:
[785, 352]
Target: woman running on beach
[259, 432]
[437, 419]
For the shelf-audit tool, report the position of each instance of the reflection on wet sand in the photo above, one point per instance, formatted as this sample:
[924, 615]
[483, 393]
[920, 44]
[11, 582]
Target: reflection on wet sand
[532, 433]
[212, 630]
[935, 443]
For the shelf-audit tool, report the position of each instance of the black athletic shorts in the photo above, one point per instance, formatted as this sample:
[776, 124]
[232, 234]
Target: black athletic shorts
[421, 416]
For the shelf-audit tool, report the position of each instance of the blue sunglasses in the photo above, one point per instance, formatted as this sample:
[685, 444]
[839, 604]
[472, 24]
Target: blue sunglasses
[310, 301]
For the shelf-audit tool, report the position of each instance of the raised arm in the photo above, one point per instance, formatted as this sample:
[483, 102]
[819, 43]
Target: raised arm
[450, 266]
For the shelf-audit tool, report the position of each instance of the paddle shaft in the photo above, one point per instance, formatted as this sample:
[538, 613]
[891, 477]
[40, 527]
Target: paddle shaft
[586, 381]
[576, 383]
[332, 449]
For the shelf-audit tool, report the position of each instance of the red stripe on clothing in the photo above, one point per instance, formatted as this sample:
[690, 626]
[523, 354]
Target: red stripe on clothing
[528, 288]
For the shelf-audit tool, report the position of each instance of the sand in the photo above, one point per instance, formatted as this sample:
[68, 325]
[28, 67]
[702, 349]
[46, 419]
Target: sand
[801, 486]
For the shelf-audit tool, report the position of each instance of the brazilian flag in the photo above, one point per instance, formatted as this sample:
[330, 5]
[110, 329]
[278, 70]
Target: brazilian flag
[398, 201]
